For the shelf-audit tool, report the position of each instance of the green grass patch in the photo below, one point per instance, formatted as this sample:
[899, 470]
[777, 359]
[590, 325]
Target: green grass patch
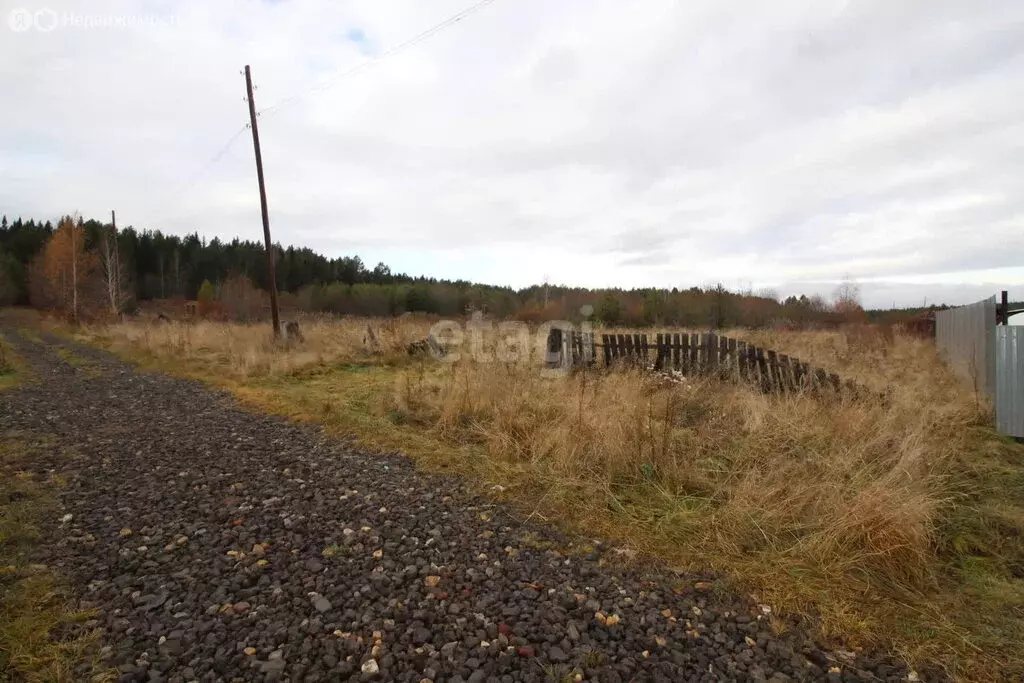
[71, 358]
[10, 365]
[31, 335]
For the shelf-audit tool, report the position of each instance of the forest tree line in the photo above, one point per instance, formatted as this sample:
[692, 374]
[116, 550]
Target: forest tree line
[89, 268]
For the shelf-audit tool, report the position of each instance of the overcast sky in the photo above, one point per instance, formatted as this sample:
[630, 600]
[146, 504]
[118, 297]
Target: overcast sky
[596, 143]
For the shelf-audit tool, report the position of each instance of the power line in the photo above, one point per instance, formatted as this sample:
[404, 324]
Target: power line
[418, 38]
[188, 185]
[280, 104]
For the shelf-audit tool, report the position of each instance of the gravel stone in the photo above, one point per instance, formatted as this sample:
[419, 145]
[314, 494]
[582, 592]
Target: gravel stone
[332, 563]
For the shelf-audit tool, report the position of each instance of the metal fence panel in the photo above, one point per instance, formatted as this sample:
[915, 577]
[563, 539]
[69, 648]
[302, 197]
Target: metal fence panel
[965, 340]
[1009, 343]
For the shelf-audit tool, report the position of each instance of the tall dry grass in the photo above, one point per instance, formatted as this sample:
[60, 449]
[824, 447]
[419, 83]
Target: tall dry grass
[248, 350]
[827, 487]
[891, 515]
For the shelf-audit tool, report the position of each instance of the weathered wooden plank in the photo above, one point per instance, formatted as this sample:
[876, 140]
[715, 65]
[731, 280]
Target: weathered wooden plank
[659, 360]
[734, 363]
[554, 354]
[684, 352]
[640, 343]
[676, 346]
[807, 378]
[695, 344]
[741, 359]
[752, 371]
[834, 380]
[606, 345]
[762, 369]
[627, 343]
[798, 374]
[785, 374]
[773, 368]
[621, 343]
[589, 348]
[711, 352]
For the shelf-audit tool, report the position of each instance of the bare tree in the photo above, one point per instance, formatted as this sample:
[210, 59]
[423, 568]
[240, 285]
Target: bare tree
[114, 278]
[847, 295]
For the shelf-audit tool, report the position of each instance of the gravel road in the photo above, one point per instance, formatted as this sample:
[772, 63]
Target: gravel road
[223, 545]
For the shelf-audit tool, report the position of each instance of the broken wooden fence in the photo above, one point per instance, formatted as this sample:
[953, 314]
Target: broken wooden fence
[694, 354]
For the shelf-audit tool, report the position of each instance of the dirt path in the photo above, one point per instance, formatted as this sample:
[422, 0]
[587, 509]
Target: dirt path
[225, 545]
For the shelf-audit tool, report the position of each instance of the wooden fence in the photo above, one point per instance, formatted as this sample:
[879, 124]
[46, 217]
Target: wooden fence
[694, 354]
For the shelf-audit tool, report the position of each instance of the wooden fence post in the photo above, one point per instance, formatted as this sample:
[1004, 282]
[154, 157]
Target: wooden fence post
[711, 353]
[726, 361]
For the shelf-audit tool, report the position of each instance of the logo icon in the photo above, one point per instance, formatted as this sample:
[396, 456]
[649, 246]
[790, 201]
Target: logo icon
[20, 20]
[46, 20]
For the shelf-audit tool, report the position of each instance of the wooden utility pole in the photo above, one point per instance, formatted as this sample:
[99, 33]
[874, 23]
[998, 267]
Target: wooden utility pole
[271, 279]
[74, 272]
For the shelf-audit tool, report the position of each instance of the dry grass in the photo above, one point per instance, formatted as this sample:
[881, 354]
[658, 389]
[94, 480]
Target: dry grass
[244, 351]
[896, 520]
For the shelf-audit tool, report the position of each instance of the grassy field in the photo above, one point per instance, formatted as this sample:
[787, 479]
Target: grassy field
[895, 521]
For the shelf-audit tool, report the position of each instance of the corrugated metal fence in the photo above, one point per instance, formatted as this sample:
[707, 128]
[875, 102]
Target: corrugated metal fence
[989, 356]
[1009, 380]
[966, 341]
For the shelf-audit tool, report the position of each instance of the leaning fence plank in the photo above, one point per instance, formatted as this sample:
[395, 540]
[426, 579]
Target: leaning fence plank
[773, 368]
[627, 343]
[641, 344]
[762, 369]
[741, 359]
[798, 374]
[785, 373]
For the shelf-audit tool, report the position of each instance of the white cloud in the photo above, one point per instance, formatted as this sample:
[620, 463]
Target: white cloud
[782, 144]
